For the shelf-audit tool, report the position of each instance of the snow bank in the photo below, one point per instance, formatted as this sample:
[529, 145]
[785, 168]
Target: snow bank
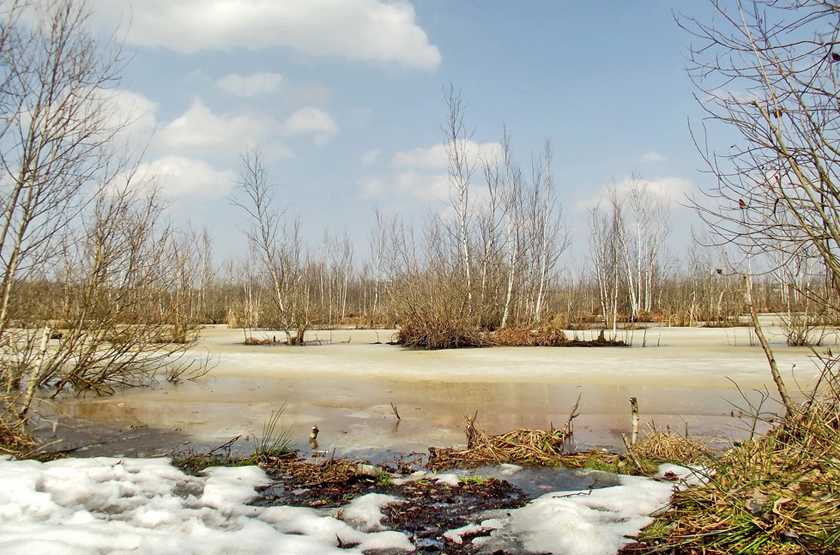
[141, 506]
[586, 522]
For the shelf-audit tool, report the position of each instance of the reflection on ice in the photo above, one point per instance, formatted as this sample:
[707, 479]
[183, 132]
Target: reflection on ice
[346, 389]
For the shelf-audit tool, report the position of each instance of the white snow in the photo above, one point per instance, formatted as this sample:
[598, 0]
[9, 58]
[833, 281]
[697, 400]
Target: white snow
[365, 513]
[147, 506]
[586, 522]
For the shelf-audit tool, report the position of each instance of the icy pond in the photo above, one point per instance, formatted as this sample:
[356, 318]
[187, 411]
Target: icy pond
[111, 498]
[344, 382]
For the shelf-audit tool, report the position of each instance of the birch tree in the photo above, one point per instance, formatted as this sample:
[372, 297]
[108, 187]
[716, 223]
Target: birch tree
[58, 130]
[461, 167]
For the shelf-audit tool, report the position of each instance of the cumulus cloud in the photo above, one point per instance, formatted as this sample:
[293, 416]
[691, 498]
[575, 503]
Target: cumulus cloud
[653, 157]
[424, 187]
[365, 30]
[310, 121]
[672, 189]
[435, 157]
[258, 83]
[199, 129]
[179, 176]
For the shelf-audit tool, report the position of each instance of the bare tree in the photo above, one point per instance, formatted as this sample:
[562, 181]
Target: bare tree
[606, 237]
[549, 237]
[461, 168]
[279, 244]
[769, 71]
[57, 131]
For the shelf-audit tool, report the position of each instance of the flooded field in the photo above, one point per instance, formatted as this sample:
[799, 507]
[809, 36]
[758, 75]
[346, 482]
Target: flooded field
[344, 382]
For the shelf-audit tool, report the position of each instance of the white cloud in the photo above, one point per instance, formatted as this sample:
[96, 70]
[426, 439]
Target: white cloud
[435, 157]
[258, 83]
[424, 187]
[179, 176]
[653, 157]
[672, 189]
[367, 30]
[199, 129]
[374, 186]
[311, 121]
[369, 157]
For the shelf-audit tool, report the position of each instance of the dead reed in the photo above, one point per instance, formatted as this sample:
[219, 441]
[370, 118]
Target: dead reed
[527, 337]
[669, 447]
[14, 439]
[431, 331]
[777, 494]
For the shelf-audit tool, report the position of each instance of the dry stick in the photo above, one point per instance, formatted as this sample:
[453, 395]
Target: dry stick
[396, 412]
[567, 429]
[632, 456]
[634, 411]
[774, 369]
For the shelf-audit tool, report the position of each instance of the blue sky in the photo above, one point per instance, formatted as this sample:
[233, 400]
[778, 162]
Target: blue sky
[345, 98]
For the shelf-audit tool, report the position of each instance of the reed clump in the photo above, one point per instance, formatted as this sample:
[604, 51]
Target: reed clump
[430, 331]
[526, 337]
[666, 446]
[779, 493]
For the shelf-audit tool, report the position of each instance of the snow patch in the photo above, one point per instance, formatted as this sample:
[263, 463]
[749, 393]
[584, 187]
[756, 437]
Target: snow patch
[586, 522]
[365, 513]
[147, 506]
[448, 479]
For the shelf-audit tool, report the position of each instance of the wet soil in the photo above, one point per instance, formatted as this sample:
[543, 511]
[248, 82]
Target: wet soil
[427, 510]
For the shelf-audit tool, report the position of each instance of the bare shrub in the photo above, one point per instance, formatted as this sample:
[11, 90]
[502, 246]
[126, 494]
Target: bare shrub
[527, 337]
[430, 331]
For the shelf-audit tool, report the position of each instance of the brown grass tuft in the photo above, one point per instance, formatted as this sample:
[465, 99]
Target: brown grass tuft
[422, 330]
[777, 494]
[527, 337]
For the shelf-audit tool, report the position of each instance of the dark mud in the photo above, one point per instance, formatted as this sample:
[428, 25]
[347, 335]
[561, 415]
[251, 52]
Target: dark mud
[428, 509]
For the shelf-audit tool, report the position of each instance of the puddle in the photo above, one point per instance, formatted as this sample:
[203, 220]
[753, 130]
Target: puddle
[535, 481]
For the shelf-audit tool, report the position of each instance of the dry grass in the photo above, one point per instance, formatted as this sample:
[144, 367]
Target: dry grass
[527, 337]
[430, 331]
[256, 341]
[14, 438]
[777, 494]
[669, 447]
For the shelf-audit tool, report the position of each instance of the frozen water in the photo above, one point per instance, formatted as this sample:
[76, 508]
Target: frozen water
[680, 379]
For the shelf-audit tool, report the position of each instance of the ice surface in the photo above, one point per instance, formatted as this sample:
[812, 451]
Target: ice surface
[681, 378]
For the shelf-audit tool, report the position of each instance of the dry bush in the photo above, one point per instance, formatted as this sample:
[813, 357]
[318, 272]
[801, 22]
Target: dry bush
[559, 321]
[430, 331]
[527, 337]
[14, 437]
[650, 316]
